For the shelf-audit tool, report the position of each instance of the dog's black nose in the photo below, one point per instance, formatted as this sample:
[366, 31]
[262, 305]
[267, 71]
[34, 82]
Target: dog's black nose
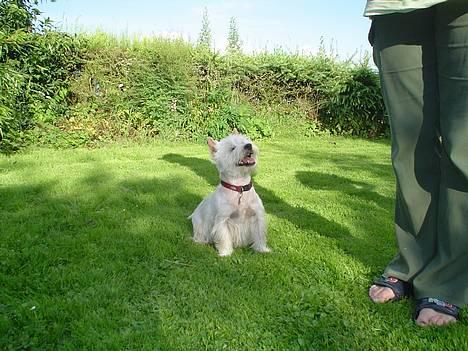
[248, 147]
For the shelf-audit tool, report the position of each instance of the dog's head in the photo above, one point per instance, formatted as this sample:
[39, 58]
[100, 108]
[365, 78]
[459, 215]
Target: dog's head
[235, 155]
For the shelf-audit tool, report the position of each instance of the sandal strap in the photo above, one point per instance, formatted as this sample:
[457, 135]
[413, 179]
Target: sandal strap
[400, 288]
[437, 305]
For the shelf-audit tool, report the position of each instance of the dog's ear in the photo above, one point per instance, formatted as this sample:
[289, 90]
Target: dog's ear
[235, 131]
[212, 146]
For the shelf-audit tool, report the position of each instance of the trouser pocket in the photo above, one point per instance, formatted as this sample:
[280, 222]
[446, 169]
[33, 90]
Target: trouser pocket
[371, 34]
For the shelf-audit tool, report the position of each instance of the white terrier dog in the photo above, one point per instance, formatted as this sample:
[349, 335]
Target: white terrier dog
[233, 215]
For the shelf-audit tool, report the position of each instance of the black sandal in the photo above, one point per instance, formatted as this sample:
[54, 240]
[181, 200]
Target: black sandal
[437, 305]
[400, 288]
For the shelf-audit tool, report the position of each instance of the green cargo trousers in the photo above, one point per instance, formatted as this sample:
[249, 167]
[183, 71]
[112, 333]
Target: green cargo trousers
[422, 58]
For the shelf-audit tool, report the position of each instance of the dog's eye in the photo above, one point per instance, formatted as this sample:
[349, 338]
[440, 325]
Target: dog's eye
[233, 148]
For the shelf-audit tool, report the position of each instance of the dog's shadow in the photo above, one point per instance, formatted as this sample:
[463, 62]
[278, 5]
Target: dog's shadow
[201, 167]
[299, 216]
[365, 249]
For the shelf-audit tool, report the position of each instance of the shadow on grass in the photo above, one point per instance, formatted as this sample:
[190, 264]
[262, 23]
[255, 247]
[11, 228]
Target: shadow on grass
[373, 244]
[364, 191]
[76, 274]
[275, 205]
[347, 162]
[107, 263]
[365, 249]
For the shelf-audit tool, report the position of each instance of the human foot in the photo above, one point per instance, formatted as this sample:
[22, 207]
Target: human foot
[434, 312]
[387, 289]
[381, 294]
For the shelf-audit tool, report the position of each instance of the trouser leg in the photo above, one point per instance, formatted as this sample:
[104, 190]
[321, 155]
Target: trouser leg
[446, 275]
[405, 53]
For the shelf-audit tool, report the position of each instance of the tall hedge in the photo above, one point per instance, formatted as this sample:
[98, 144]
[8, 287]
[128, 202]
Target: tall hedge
[63, 90]
[36, 66]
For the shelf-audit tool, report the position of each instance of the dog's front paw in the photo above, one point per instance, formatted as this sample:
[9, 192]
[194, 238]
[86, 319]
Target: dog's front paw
[263, 249]
[224, 253]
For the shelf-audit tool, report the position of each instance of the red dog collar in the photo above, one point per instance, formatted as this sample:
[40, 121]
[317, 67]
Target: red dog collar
[238, 188]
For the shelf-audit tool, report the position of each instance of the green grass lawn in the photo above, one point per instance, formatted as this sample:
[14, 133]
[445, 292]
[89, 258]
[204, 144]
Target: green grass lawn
[95, 253]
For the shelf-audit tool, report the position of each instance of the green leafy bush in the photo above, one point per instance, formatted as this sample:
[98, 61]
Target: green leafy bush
[83, 90]
[345, 97]
[356, 107]
[36, 65]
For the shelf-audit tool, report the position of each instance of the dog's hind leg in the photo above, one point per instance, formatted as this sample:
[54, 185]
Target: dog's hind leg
[200, 229]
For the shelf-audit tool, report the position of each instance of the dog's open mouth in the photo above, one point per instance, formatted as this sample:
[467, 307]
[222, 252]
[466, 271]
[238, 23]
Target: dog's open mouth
[248, 160]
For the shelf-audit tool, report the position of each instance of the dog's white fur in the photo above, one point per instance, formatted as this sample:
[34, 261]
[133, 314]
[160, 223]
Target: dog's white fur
[221, 219]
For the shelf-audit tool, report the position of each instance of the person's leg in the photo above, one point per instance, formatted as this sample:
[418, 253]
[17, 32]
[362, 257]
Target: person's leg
[446, 276]
[405, 53]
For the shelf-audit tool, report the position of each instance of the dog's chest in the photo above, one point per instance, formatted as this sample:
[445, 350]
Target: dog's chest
[243, 213]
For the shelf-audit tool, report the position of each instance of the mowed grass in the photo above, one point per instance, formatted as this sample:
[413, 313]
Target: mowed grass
[95, 253]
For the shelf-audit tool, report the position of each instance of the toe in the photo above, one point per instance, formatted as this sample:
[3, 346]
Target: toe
[430, 317]
[445, 320]
[435, 320]
[380, 294]
[421, 323]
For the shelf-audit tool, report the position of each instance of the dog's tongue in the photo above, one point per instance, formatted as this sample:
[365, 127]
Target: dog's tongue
[247, 161]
